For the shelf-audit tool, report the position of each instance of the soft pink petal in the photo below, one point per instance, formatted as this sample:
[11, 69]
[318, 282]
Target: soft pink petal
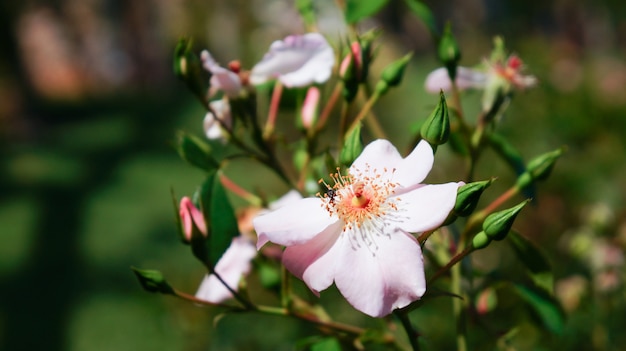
[298, 60]
[234, 264]
[290, 197]
[466, 78]
[383, 276]
[426, 207]
[414, 168]
[293, 224]
[314, 261]
[221, 78]
[378, 155]
[190, 215]
[381, 155]
[438, 80]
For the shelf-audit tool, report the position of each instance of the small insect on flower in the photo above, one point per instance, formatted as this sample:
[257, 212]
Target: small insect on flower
[330, 193]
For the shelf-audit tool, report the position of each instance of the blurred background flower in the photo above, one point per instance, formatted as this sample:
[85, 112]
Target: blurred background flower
[88, 110]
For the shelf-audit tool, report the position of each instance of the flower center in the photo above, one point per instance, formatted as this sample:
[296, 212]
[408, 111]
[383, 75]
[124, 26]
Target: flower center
[361, 198]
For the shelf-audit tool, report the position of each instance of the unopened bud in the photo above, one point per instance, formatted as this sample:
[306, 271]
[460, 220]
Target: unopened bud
[349, 71]
[191, 220]
[188, 68]
[436, 129]
[352, 147]
[153, 281]
[497, 225]
[480, 241]
[468, 196]
[392, 74]
[539, 168]
[449, 52]
[309, 107]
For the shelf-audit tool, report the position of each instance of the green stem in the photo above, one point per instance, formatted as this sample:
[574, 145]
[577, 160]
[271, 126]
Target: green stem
[330, 104]
[458, 257]
[411, 332]
[364, 111]
[458, 309]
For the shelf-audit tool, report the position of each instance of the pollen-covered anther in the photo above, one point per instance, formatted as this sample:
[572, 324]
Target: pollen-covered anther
[361, 197]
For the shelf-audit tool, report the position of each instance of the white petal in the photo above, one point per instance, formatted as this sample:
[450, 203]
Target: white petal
[294, 224]
[438, 80]
[291, 197]
[231, 267]
[298, 60]
[426, 207]
[221, 78]
[315, 261]
[377, 280]
[415, 167]
[466, 78]
[408, 172]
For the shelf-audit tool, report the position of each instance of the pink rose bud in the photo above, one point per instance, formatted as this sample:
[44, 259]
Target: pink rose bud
[309, 108]
[191, 218]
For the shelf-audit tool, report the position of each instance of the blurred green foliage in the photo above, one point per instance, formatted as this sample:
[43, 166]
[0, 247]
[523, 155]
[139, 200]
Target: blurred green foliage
[85, 177]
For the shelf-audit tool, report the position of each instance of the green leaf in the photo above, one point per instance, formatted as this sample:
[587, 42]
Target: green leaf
[307, 11]
[508, 152]
[219, 216]
[423, 13]
[535, 261]
[152, 281]
[512, 157]
[357, 10]
[546, 307]
[195, 151]
[326, 344]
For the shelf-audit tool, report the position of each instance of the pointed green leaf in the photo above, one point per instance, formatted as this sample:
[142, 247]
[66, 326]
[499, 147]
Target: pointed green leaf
[195, 151]
[357, 10]
[534, 260]
[512, 157]
[152, 281]
[546, 307]
[423, 13]
[219, 216]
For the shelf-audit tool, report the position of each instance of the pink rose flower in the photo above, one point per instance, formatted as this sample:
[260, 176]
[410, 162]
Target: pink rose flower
[221, 78]
[234, 264]
[296, 61]
[358, 234]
